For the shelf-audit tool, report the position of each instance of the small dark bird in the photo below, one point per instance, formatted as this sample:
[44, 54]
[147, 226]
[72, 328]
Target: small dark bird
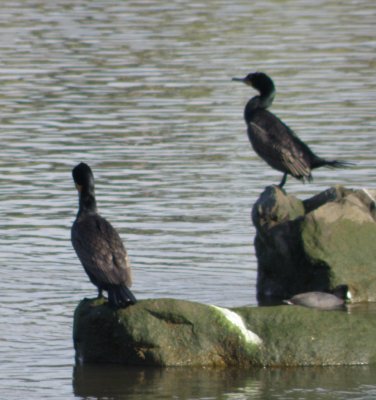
[274, 141]
[99, 246]
[322, 300]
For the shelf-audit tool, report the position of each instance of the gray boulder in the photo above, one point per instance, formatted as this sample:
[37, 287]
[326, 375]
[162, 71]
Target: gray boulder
[315, 244]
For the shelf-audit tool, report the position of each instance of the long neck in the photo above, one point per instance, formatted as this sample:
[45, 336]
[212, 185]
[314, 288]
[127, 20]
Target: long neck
[87, 202]
[263, 101]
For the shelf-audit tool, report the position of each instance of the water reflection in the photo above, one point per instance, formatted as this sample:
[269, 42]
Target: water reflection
[115, 382]
[362, 308]
[118, 382]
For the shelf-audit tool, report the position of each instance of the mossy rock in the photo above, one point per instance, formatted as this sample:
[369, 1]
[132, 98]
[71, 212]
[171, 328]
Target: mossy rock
[342, 234]
[162, 332]
[168, 332]
[299, 336]
[315, 244]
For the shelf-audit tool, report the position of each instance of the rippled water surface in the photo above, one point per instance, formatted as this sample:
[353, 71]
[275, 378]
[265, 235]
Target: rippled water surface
[142, 91]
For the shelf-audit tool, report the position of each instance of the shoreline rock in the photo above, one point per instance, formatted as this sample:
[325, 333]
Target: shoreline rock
[315, 244]
[163, 332]
[169, 332]
[301, 246]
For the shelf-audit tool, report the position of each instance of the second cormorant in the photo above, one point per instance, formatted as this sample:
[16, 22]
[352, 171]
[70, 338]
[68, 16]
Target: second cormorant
[274, 141]
[99, 246]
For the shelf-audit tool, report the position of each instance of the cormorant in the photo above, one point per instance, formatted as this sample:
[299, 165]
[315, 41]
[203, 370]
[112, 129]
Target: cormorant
[322, 300]
[273, 140]
[98, 245]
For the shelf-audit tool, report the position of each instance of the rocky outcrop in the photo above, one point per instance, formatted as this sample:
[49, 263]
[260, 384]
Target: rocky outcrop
[162, 332]
[315, 244]
[167, 332]
[310, 245]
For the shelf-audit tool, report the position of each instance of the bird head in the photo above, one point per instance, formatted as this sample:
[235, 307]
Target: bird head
[83, 176]
[259, 81]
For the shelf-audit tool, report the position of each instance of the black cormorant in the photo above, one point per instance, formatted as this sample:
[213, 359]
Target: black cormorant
[98, 245]
[274, 141]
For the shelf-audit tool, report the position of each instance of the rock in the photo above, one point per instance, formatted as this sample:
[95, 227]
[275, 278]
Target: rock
[300, 336]
[301, 246]
[168, 332]
[315, 244]
[162, 332]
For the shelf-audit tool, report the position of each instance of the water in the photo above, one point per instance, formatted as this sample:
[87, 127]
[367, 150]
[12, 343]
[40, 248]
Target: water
[142, 92]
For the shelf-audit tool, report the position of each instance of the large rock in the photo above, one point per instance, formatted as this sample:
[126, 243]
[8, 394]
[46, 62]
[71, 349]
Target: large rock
[315, 244]
[162, 332]
[167, 332]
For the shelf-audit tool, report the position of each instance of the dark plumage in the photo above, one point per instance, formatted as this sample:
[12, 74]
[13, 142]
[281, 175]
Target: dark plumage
[274, 141]
[98, 245]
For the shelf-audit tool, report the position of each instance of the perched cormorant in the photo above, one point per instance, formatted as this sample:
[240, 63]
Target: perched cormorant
[98, 245]
[274, 141]
[322, 300]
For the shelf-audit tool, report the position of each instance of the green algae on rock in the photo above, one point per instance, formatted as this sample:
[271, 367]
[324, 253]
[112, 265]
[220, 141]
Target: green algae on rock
[162, 332]
[315, 244]
[298, 336]
[168, 332]
[301, 246]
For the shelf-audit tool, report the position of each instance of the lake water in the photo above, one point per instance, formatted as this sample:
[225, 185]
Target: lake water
[142, 91]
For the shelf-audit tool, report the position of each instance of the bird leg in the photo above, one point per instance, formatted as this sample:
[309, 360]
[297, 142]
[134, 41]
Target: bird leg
[283, 181]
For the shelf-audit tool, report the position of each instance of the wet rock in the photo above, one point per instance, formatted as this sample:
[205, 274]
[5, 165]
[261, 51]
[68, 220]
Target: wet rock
[302, 246]
[167, 332]
[300, 336]
[162, 332]
[315, 244]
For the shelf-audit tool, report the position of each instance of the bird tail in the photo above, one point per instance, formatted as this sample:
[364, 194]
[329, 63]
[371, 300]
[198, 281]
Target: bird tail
[119, 296]
[332, 163]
